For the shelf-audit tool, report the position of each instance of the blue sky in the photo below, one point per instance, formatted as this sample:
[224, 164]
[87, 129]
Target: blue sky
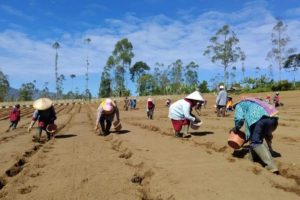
[160, 31]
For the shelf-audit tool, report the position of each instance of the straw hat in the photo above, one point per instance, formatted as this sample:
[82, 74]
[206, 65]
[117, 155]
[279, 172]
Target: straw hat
[149, 99]
[195, 96]
[42, 104]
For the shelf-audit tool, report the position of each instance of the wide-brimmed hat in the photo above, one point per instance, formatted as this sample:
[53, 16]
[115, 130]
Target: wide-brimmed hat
[221, 86]
[42, 104]
[195, 96]
[108, 105]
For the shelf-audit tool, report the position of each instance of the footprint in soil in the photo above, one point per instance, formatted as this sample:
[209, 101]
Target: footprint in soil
[33, 175]
[27, 189]
[126, 155]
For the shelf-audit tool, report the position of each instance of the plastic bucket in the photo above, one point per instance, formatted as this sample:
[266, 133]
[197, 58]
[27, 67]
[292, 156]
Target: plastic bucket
[195, 126]
[236, 139]
[51, 128]
[117, 125]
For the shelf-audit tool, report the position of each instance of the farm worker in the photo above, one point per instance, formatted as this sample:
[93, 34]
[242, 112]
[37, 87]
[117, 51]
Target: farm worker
[180, 113]
[168, 102]
[229, 104]
[45, 115]
[221, 101]
[126, 103]
[276, 100]
[260, 119]
[150, 108]
[105, 115]
[14, 117]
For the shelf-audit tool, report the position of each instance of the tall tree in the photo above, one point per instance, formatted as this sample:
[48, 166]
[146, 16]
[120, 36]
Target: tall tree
[136, 71]
[122, 57]
[293, 64]
[191, 76]
[26, 91]
[280, 40]
[72, 76]
[105, 83]
[60, 80]
[147, 84]
[87, 41]
[176, 75]
[56, 46]
[4, 86]
[224, 49]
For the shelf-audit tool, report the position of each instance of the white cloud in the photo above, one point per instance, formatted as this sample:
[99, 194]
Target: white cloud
[155, 39]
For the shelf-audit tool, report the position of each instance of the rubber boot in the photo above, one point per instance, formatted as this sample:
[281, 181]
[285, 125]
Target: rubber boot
[265, 155]
[185, 129]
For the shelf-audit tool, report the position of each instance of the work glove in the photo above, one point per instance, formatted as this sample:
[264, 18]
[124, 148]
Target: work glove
[197, 120]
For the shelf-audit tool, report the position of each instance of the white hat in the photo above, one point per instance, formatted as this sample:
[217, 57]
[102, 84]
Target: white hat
[42, 104]
[195, 96]
[221, 87]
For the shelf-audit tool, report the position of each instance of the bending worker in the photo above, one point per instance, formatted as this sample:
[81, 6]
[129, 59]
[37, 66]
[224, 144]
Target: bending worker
[105, 115]
[180, 113]
[260, 122]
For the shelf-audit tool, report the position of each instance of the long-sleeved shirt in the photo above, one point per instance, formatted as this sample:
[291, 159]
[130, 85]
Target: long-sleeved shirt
[248, 112]
[181, 110]
[222, 98]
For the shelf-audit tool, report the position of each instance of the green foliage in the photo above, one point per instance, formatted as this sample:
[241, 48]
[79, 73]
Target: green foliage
[4, 86]
[26, 91]
[191, 75]
[59, 85]
[282, 86]
[203, 87]
[292, 64]
[121, 61]
[137, 70]
[105, 84]
[147, 84]
[224, 49]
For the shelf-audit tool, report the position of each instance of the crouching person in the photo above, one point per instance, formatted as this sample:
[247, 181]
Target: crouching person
[105, 115]
[260, 122]
[45, 115]
[180, 113]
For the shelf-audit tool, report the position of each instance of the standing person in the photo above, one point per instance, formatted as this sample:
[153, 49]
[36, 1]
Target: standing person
[105, 115]
[150, 108]
[260, 122]
[14, 117]
[221, 101]
[126, 103]
[134, 102]
[45, 115]
[180, 113]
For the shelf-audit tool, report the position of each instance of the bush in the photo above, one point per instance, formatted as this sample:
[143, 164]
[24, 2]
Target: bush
[282, 86]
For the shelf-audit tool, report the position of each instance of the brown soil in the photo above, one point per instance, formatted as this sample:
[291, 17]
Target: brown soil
[145, 160]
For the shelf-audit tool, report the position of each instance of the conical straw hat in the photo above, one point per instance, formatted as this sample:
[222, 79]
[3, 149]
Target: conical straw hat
[195, 96]
[42, 104]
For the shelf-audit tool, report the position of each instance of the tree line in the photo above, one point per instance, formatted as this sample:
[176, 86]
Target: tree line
[176, 77]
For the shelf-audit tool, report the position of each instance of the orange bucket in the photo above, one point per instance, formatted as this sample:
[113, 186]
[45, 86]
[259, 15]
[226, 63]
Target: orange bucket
[236, 139]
